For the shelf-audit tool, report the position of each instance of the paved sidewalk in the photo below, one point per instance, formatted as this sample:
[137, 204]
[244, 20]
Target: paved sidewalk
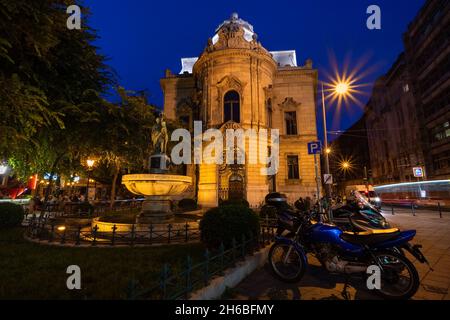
[433, 233]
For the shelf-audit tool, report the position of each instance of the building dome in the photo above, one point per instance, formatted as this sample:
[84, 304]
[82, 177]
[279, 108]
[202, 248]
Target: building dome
[234, 24]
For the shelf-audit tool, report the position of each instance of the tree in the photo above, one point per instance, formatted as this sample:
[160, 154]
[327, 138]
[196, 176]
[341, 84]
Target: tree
[51, 82]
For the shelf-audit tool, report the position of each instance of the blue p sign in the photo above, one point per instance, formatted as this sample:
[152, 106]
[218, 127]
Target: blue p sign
[314, 147]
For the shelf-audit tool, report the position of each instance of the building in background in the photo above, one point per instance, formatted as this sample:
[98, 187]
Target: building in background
[427, 48]
[237, 83]
[393, 128]
[408, 115]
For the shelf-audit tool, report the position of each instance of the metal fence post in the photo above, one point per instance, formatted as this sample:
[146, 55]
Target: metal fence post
[169, 230]
[133, 234]
[52, 231]
[243, 247]
[392, 210]
[233, 249]
[164, 278]
[188, 276]
[186, 232]
[95, 229]
[78, 236]
[113, 238]
[150, 229]
[413, 210]
[206, 270]
[440, 209]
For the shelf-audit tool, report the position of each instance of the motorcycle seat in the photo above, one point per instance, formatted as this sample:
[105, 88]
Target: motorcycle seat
[371, 236]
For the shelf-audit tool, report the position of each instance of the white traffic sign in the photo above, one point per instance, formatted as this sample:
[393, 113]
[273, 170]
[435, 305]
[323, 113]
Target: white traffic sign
[328, 178]
[418, 172]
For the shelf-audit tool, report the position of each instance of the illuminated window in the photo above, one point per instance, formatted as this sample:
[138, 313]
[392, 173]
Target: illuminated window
[291, 122]
[231, 107]
[292, 162]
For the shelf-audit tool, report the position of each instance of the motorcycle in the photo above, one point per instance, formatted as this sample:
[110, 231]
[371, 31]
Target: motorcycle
[364, 215]
[347, 252]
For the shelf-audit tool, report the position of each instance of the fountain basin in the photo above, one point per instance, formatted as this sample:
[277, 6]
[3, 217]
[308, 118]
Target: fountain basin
[156, 184]
[158, 190]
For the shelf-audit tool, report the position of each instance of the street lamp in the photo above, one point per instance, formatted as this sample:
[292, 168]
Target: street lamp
[340, 89]
[90, 163]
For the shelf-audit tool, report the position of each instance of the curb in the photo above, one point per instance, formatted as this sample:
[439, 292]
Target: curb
[232, 277]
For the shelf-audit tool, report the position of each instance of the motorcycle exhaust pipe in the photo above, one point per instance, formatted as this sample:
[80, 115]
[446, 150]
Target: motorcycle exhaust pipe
[355, 269]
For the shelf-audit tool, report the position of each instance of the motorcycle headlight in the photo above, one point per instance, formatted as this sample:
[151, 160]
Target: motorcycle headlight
[377, 199]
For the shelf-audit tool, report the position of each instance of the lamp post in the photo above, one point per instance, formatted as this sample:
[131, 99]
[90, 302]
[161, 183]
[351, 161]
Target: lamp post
[90, 163]
[341, 88]
[327, 161]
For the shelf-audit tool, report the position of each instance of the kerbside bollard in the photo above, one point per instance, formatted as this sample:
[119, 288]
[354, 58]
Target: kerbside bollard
[413, 210]
[440, 210]
[392, 210]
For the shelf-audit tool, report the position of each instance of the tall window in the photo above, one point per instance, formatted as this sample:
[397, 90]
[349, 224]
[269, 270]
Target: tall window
[231, 107]
[292, 162]
[269, 113]
[291, 122]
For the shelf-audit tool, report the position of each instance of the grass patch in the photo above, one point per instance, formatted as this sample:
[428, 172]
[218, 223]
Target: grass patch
[33, 271]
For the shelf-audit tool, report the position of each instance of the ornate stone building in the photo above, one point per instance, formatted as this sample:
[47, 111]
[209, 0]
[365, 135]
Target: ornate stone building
[237, 83]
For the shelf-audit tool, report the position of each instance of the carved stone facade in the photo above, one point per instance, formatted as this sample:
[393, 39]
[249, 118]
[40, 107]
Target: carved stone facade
[237, 82]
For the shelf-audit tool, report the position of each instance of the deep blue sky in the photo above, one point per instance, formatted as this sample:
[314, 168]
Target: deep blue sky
[143, 38]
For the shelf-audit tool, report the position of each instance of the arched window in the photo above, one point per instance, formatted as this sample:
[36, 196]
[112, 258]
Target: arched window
[231, 107]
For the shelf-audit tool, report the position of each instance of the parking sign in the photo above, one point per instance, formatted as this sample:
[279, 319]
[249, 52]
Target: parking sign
[314, 147]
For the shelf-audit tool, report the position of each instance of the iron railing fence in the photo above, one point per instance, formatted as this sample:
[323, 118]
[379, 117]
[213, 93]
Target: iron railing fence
[179, 285]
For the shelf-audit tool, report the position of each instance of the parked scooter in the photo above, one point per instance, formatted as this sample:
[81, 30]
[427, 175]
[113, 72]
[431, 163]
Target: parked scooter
[347, 252]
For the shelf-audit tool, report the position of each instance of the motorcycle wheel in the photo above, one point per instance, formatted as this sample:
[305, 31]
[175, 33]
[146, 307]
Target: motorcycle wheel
[399, 277]
[286, 263]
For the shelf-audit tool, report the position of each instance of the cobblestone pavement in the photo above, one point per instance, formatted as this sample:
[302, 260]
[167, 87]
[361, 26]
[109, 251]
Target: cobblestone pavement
[433, 233]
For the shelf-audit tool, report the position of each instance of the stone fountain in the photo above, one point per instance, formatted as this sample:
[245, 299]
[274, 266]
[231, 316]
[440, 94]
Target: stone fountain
[158, 187]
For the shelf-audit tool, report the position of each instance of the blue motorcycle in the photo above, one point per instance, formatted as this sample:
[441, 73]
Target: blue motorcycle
[346, 252]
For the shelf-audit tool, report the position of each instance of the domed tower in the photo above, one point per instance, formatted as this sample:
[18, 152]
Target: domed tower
[232, 73]
[237, 84]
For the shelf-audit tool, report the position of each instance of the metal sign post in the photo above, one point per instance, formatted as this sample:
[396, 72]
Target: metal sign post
[315, 148]
[316, 166]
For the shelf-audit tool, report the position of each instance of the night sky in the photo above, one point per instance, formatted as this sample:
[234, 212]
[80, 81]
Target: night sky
[143, 38]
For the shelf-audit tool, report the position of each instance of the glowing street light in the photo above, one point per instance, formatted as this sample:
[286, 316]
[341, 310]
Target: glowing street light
[342, 88]
[3, 168]
[345, 165]
[90, 163]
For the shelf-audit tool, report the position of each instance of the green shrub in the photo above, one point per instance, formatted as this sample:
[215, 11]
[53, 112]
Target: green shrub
[187, 205]
[11, 215]
[240, 202]
[222, 224]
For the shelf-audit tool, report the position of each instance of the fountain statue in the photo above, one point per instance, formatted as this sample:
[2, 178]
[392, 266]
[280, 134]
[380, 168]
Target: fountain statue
[158, 187]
